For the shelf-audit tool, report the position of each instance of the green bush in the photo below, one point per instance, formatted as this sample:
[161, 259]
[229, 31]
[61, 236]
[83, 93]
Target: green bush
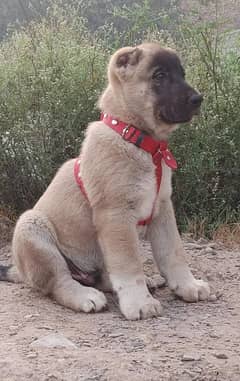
[207, 183]
[51, 74]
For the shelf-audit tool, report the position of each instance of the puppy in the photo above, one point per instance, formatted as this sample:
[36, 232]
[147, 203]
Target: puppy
[83, 233]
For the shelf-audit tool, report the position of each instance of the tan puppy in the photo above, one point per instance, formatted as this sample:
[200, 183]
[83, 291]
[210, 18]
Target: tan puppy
[100, 235]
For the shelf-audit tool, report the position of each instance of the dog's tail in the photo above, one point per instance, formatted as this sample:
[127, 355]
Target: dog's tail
[9, 274]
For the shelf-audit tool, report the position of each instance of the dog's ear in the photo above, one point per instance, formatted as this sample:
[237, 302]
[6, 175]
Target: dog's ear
[129, 57]
[124, 62]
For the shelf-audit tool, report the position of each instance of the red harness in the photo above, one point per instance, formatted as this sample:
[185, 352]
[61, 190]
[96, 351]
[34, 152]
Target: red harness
[158, 150]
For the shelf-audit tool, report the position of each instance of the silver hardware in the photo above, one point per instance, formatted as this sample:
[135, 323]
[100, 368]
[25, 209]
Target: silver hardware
[125, 131]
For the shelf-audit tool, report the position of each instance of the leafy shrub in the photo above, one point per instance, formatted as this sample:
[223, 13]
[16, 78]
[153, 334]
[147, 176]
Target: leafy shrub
[208, 180]
[51, 74]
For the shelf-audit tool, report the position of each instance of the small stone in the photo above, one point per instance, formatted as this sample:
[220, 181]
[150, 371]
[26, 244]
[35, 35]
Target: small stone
[191, 357]
[12, 333]
[214, 245]
[212, 298]
[214, 252]
[32, 355]
[115, 335]
[51, 376]
[191, 374]
[45, 327]
[53, 341]
[209, 250]
[202, 241]
[219, 294]
[13, 327]
[221, 356]
[28, 316]
[155, 281]
[31, 316]
[192, 246]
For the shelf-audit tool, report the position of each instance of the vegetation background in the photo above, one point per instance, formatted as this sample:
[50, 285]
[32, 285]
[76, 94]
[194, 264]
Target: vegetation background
[53, 58]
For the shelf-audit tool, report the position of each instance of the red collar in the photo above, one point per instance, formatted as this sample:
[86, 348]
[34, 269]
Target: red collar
[157, 148]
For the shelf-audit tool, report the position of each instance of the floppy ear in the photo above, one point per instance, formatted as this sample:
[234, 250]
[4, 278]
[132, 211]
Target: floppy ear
[124, 63]
[130, 57]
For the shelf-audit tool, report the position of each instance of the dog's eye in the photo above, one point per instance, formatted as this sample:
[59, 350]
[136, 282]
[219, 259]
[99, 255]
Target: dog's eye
[158, 75]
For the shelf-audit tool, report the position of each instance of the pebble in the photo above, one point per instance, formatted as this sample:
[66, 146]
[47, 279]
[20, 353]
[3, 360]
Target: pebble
[31, 316]
[208, 250]
[51, 376]
[191, 357]
[191, 374]
[192, 246]
[28, 316]
[45, 327]
[31, 355]
[115, 335]
[202, 241]
[13, 333]
[212, 298]
[52, 341]
[221, 356]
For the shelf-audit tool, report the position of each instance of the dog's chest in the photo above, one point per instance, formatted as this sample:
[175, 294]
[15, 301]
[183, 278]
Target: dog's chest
[149, 200]
[147, 193]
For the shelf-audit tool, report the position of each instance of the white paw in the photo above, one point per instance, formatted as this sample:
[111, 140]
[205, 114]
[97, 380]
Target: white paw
[193, 291]
[139, 306]
[92, 300]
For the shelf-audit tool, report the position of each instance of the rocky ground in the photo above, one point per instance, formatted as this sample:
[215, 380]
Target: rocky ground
[42, 341]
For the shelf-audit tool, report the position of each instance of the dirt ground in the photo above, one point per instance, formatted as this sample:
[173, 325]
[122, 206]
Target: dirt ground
[190, 342]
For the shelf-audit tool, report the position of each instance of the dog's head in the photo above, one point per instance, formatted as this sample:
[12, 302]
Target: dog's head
[148, 83]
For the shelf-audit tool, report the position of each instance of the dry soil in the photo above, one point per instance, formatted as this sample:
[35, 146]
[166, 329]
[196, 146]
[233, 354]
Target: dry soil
[190, 342]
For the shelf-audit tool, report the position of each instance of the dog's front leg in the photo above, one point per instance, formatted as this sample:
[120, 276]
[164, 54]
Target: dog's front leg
[169, 254]
[120, 246]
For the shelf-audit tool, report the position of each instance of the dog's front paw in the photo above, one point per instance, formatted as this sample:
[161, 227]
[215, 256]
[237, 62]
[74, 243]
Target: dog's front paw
[140, 307]
[193, 291]
[91, 300]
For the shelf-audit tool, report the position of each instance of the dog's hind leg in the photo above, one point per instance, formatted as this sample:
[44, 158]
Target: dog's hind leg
[40, 264]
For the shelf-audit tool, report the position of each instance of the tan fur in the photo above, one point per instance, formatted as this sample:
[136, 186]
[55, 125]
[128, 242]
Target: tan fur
[102, 233]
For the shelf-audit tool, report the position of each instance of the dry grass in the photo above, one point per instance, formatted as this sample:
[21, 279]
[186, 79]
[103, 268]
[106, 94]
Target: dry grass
[197, 228]
[228, 234]
[7, 219]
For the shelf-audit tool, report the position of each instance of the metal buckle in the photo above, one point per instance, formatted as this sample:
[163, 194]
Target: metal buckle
[125, 131]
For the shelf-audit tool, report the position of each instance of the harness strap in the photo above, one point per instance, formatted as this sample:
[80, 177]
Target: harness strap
[78, 177]
[158, 150]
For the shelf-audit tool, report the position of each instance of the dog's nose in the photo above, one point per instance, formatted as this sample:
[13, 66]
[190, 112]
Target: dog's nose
[196, 99]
